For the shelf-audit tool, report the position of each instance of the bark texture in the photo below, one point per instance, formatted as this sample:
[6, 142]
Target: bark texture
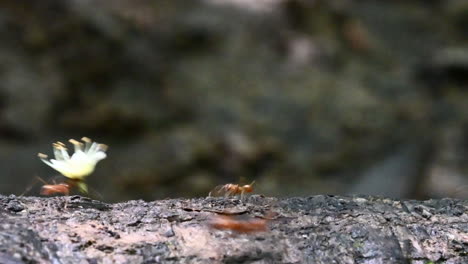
[317, 229]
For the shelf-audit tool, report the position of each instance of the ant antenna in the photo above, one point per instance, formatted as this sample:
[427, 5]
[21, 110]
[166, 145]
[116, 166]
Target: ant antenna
[34, 181]
[40, 179]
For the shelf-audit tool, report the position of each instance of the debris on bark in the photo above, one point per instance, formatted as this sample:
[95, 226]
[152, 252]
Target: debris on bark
[317, 229]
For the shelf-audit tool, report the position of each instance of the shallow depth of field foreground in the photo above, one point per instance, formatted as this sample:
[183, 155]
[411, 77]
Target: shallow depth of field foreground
[318, 229]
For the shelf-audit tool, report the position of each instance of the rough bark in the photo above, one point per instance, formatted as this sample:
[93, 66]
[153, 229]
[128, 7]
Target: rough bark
[318, 229]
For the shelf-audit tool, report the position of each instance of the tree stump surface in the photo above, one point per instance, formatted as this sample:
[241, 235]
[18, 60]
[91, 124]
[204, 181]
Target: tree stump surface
[317, 229]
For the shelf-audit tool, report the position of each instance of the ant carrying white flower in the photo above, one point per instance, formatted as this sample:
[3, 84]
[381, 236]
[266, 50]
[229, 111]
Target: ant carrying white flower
[80, 164]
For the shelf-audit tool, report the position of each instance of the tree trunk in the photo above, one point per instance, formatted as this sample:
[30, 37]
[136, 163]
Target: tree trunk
[317, 229]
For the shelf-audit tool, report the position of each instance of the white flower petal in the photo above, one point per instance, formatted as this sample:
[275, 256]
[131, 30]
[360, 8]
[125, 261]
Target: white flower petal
[65, 154]
[93, 148]
[81, 163]
[99, 156]
[87, 142]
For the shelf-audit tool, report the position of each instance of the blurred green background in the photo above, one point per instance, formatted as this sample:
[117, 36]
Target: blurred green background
[304, 97]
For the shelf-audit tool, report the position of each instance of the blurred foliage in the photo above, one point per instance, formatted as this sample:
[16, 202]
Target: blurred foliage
[302, 96]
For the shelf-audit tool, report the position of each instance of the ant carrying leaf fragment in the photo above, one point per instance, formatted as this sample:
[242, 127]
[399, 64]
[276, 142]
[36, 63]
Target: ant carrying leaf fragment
[76, 167]
[63, 188]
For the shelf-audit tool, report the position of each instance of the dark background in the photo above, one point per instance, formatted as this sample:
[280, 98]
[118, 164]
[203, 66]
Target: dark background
[305, 97]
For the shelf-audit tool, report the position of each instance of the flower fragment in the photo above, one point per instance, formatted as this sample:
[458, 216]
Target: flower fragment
[81, 163]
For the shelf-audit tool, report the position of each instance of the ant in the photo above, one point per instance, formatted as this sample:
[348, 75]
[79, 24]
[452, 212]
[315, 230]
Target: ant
[62, 188]
[233, 189]
[51, 189]
[245, 226]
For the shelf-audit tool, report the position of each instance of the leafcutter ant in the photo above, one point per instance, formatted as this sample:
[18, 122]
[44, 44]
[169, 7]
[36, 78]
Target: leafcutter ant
[232, 189]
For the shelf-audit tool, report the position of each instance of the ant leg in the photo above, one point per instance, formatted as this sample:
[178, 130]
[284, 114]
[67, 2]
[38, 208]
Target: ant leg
[242, 196]
[215, 192]
[229, 193]
[33, 183]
